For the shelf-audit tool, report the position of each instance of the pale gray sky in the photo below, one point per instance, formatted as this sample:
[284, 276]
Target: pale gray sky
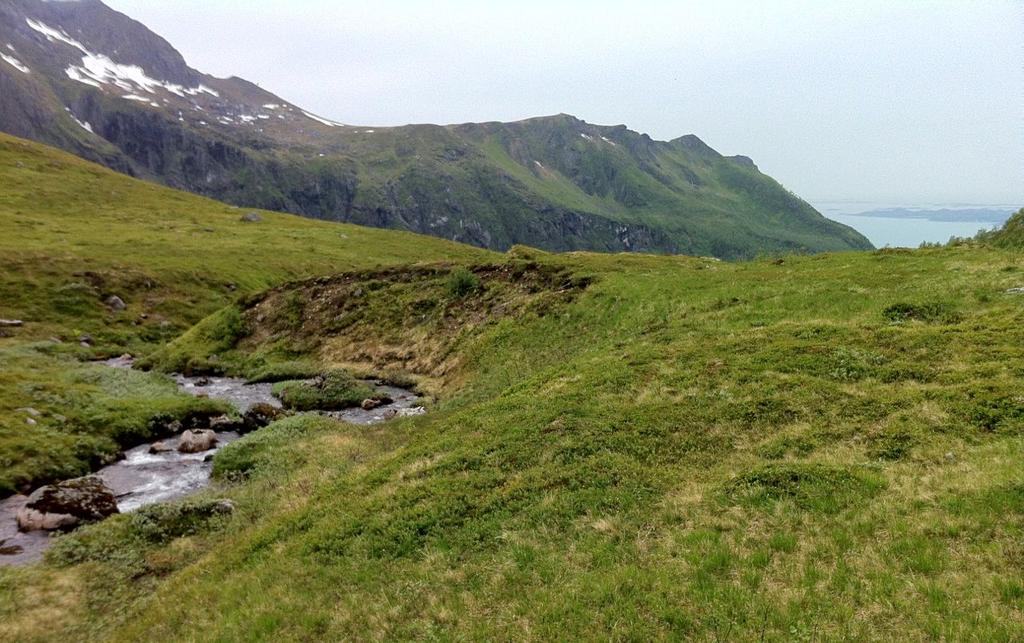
[896, 102]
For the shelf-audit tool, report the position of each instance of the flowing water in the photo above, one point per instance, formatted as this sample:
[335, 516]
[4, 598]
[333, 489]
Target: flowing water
[143, 478]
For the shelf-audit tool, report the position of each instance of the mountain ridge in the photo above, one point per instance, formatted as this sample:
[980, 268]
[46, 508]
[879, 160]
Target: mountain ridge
[94, 82]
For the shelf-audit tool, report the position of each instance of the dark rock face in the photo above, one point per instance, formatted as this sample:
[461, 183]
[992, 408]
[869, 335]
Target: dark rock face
[67, 505]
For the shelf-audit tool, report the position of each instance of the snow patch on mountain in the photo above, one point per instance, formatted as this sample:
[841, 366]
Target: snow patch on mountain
[14, 62]
[83, 124]
[98, 69]
[55, 35]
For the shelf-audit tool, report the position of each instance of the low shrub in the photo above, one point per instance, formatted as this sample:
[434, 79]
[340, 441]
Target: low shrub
[929, 312]
[810, 486]
[333, 391]
[124, 539]
[273, 448]
[462, 283]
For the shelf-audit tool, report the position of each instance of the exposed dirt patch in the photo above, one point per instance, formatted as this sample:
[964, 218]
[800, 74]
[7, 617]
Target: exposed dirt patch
[409, 319]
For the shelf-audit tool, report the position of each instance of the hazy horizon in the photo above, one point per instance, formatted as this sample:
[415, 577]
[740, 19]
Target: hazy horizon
[876, 103]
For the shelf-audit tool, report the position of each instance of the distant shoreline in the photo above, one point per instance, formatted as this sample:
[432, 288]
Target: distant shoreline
[980, 215]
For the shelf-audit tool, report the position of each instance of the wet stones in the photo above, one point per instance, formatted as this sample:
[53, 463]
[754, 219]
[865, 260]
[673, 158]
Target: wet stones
[197, 441]
[159, 447]
[67, 504]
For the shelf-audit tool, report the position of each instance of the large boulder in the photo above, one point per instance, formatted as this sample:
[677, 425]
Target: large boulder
[197, 441]
[67, 504]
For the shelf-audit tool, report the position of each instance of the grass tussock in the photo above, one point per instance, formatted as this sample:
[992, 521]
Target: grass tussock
[331, 391]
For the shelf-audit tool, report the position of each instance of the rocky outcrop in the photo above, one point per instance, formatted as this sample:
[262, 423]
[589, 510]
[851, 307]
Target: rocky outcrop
[67, 505]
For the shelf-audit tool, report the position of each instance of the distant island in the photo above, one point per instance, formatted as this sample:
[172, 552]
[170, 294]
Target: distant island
[985, 215]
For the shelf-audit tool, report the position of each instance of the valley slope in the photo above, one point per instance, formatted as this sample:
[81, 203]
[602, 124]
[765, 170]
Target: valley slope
[85, 78]
[629, 446]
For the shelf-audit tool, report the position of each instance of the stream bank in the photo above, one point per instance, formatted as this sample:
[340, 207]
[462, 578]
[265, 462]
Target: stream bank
[145, 476]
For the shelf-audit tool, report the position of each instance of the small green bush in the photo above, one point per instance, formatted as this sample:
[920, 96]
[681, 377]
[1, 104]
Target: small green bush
[894, 445]
[931, 312]
[333, 391]
[462, 283]
[125, 538]
[810, 486]
[274, 448]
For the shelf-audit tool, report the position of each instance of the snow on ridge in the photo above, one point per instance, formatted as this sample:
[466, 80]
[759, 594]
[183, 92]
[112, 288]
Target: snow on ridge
[74, 74]
[201, 89]
[322, 120]
[55, 35]
[97, 69]
[586, 136]
[84, 124]
[608, 140]
[140, 99]
[14, 62]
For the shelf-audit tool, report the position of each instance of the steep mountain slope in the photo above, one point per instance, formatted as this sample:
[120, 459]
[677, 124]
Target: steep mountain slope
[83, 77]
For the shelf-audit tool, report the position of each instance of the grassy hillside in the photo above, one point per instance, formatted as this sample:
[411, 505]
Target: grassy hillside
[635, 447]
[75, 234]
[555, 182]
[626, 447]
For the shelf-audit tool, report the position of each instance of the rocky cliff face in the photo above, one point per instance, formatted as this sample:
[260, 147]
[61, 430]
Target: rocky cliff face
[85, 78]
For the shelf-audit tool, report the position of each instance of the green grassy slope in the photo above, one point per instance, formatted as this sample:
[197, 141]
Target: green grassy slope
[826, 447]
[628, 447]
[75, 234]
[517, 179]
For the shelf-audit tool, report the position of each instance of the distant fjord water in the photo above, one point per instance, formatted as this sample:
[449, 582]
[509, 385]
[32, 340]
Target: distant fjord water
[908, 226]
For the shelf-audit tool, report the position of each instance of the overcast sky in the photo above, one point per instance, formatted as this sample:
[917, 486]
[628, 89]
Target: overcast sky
[897, 102]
